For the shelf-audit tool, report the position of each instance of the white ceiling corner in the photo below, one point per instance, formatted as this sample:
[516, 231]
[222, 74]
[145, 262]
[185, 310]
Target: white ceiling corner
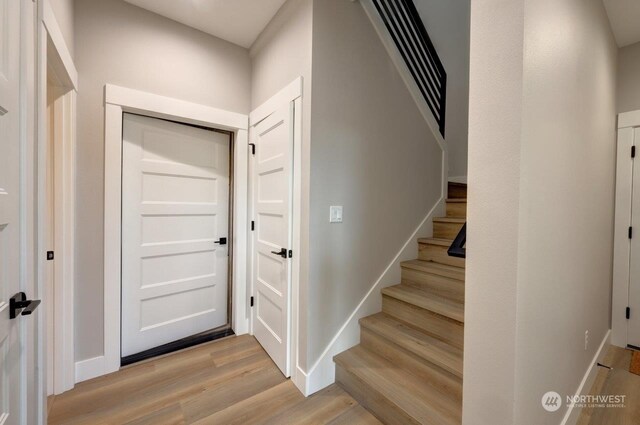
[624, 16]
[237, 21]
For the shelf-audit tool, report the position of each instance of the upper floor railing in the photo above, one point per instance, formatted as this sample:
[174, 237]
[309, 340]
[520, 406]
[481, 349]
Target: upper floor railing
[410, 37]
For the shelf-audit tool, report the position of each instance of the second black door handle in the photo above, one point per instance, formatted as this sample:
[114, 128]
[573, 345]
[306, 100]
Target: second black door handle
[282, 252]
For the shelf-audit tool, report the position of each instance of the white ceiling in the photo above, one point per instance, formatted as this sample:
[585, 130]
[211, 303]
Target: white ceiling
[237, 21]
[624, 16]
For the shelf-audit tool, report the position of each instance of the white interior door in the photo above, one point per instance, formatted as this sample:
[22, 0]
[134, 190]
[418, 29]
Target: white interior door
[633, 335]
[12, 352]
[175, 206]
[272, 186]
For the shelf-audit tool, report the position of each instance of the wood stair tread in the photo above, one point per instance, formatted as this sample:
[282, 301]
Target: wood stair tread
[456, 220]
[416, 342]
[457, 200]
[436, 241]
[406, 391]
[432, 267]
[426, 300]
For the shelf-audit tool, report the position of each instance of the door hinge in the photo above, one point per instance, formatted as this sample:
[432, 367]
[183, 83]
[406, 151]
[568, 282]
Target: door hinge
[251, 301]
[630, 232]
[49, 255]
[290, 254]
[253, 225]
[253, 148]
[628, 312]
[633, 151]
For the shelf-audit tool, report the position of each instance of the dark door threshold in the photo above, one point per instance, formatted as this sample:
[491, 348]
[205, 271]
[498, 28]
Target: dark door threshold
[180, 344]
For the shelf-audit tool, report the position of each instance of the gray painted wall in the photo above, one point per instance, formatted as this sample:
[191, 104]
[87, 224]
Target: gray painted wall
[373, 153]
[541, 203]
[567, 188]
[121, 44]
[447, 22]
[495, 126]
[629, 78]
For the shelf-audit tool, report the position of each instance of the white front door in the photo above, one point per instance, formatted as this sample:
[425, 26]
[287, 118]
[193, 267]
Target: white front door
[12, 351]
[272, 186]
[175, 232]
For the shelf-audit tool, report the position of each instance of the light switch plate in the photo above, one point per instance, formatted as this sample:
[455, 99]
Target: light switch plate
[335, 214]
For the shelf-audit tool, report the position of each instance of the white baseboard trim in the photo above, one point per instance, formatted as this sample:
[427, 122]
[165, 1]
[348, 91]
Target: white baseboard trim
[458, 179]
[322, 373]
[300, 379]
[90, 368]
[573, 414]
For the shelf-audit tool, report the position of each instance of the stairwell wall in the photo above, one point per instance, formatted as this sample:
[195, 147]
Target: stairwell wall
[373, 153]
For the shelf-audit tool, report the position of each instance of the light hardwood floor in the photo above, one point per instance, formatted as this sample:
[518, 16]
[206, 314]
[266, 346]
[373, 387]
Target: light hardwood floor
[230, 381]
[615, 381]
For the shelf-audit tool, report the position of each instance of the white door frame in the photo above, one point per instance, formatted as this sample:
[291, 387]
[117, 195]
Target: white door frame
[622, 244]
[117, 101]
[60, 61]
[291, 93]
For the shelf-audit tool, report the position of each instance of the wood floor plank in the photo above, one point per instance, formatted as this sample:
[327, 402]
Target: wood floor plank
[225, 394]
[322, 408]
[356, 415]
[170, 415]
[622, 382]
[132, 401]
[615, 381]
[186, 388]
[254, 410]
[231, 381]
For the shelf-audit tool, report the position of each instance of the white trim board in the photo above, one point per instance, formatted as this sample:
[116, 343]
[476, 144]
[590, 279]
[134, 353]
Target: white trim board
[291, 93]
[90, 368]
[53, 54]
[67, 67]
[153, 105]
[288, 94]
[117, 101]
[322, 373]
[629, 119]
[458, 179]
[622, 244]
[573, 413]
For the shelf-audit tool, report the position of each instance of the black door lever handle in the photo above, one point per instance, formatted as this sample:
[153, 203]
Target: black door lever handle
[19, 304]
[282, 252]
[221, 241]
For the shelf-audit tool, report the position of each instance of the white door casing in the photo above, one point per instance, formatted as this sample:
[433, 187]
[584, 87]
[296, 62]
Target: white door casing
[119, 100]
[55, 65]
[633, 333]
[12, 353]
[625, 309]
[272, 185]
[50, 244]
[175, 205]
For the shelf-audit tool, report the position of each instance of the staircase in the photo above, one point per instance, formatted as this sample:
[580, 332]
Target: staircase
[407, 368]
